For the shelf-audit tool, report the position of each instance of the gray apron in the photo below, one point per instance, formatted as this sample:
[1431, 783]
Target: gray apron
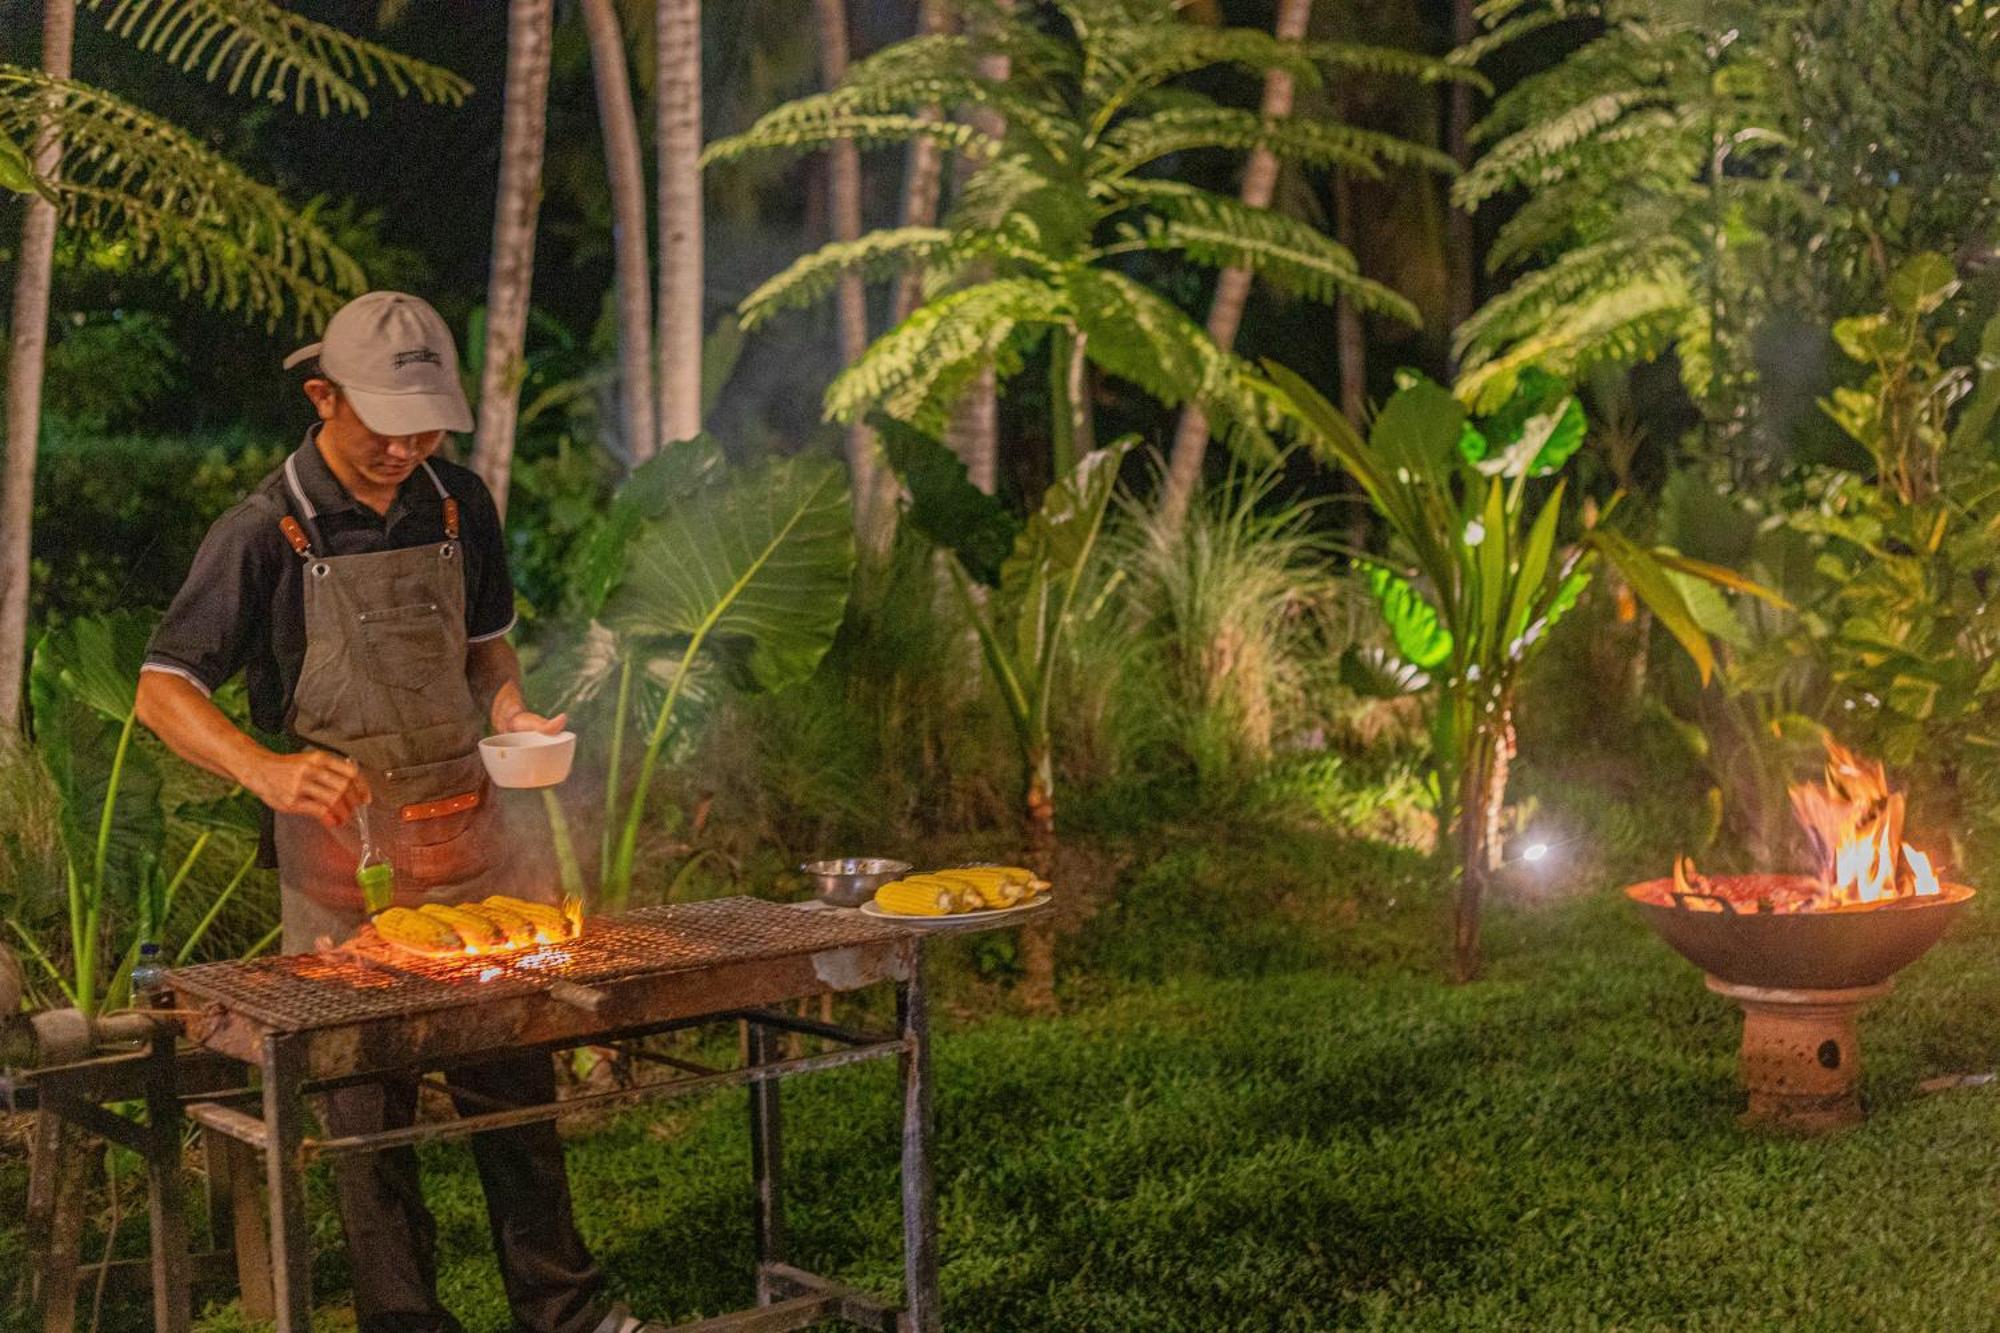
[384, 684]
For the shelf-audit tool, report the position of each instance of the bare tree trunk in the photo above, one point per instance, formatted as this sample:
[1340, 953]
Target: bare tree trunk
[529, 33]
[923, 178]
[872, 508]
[975, 425]
[1350, 339]
[1232, 287]
[1462, 269]
[1482, 797]
[1038, 938]
[678, 42]
[27, 355]
[627, 172]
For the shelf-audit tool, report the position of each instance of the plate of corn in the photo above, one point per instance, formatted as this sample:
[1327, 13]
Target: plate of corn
[959, 895]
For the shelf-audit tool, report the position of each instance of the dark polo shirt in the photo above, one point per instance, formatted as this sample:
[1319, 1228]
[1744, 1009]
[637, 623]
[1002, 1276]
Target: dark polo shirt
[242, 607]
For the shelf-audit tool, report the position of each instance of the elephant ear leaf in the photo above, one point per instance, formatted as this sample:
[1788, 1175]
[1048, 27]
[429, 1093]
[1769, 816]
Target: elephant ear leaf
[1056, 543]
[1420, 637]
[758, 566]
[1535, 431]
[944, 504]
[675, 472]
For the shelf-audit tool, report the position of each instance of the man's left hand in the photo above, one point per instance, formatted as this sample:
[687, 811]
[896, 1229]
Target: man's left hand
[523, 719]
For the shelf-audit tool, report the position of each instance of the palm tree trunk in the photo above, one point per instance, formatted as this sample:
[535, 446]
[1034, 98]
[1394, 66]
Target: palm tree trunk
[872, 508]
[1232, 287]
[923, 178]
[678, 42]
[1461, 271]
[27, 354]
[1350, 339]
[530, 25]
[974, 434]
[627, 172]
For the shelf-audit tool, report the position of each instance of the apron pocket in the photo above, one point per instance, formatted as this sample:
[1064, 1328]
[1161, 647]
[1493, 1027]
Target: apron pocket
[404, 646]
[434, 803]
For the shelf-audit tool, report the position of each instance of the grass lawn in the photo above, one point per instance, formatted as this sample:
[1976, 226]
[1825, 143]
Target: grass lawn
[1261, 1109]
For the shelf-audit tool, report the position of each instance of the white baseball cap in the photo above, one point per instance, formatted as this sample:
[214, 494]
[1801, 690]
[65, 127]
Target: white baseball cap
[394, 359]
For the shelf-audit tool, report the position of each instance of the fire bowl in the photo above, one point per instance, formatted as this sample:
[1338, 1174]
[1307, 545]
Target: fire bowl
[1830, 950]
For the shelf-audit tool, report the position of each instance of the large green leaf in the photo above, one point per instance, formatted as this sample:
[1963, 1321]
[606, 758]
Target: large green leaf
[1417, 429]
[1413, 622]
[944, 504]
[759, 565]
[1041, 574]
[1535, 431]
[674, 472]
[1649, 582]
[97, 660]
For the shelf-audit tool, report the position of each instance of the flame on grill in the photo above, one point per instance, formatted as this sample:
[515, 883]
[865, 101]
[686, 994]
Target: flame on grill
[1854, 825]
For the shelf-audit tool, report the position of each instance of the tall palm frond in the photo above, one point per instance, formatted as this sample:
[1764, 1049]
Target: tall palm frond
[222, 235]
[267, 51]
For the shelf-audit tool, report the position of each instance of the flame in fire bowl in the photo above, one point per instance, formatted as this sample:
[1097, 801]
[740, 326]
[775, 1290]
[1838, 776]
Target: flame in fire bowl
[1836, 949]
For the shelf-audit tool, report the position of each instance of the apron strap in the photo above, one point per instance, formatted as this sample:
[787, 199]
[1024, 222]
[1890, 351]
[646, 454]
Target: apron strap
[450, 505]
[304, 541]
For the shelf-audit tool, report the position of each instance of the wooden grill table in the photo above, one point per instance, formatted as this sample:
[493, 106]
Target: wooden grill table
[314, 1021]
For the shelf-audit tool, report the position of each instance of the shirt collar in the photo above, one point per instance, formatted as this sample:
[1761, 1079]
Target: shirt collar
[324, 493]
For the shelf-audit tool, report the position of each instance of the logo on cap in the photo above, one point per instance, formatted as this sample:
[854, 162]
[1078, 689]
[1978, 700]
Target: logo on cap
[421, 356]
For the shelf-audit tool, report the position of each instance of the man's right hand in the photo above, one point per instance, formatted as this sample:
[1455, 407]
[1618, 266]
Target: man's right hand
[313, 783]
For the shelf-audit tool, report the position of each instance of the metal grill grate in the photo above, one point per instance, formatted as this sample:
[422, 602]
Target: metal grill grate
[299, 992]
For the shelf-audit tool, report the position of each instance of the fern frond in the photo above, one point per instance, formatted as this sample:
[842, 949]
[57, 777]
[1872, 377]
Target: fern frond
[1124, 59]
[915, 371]
[128, 172]
[1140, 140]
[1395, 62]
[1627, 323]
[790, 130]
[1294, 256]
[812, 278]
[267, 51]
[1524, 157]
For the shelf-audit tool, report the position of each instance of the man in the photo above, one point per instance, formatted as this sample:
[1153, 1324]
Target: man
[363, 590]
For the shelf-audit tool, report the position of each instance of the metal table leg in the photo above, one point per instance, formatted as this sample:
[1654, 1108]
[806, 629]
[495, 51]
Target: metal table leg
[166, 1198]
[766, 1161]
[920, 1261]
[284, 1173]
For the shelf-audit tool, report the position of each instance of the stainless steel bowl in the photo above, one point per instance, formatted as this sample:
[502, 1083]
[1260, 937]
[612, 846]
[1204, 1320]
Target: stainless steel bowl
[850, 881]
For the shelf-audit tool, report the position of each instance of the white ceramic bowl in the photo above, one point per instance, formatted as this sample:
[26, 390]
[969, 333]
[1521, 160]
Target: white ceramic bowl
[528, 758]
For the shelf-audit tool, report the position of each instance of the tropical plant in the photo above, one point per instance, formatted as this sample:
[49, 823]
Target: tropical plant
[112, 823]
[1230, 615]
[697, 567]
[1702, 168]
[1037, 248]
[1477, 576]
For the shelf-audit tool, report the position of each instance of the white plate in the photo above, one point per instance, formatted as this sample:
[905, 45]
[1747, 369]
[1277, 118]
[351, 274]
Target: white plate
[956, 918]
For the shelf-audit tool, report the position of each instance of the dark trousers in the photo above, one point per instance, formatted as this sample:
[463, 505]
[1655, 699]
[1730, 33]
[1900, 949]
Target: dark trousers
[552, 1284]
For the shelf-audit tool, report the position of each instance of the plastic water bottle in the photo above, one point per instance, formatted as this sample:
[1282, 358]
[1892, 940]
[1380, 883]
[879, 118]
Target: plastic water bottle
[149, 978]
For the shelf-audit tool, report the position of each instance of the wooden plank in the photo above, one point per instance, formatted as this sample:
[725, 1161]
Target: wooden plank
[856, 1307]
[231, 1124]
[166, 1194]
[800, 1312]
[920, 1257]
[284, 1177]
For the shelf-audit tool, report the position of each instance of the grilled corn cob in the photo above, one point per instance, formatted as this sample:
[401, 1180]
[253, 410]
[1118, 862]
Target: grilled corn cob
[514, 923]
[551, 924]
[475, 929]
[418, 933]
[917, 896]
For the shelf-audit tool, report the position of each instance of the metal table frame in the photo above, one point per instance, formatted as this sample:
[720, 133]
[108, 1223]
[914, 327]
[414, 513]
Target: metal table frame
[295, 1064]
